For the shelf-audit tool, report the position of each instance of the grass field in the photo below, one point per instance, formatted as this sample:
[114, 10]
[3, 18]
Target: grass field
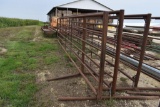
[24, 56]
[14, 22]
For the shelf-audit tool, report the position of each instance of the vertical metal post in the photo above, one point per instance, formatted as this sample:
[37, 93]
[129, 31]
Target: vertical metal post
[71, 30]
[56, 13]
[77, 11]
[145, 36]
[64, 31]
[118, 49]
[92, 44]
[83, 43]
[60, 28]
[70, 34]
[102, 59]
[60, 25]
[57, 27]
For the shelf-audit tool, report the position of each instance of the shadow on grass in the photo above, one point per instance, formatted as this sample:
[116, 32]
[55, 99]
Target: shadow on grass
[50, 35]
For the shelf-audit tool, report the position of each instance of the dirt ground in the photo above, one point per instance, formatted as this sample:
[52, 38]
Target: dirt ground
[49, 92]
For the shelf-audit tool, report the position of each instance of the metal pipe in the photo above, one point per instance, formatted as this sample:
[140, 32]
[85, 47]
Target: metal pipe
[145, 67]
[64, 77]
[83, 44]
[133, 88]
[83, 75]
[144, 93]
[118, 50]
[102, 59]
[81, 60]
[108, 97]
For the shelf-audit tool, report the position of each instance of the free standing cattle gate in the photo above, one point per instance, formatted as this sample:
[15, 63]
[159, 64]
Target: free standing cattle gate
[101, 55]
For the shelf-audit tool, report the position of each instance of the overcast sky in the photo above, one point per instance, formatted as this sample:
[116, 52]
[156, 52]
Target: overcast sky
[37, 9]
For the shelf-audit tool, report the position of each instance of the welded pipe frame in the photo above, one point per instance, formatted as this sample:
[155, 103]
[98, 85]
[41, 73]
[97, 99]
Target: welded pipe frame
[103, 47]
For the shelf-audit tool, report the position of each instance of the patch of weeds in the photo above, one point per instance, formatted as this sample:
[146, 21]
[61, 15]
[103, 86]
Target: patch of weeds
[2, 103]
[20, 46]
[17, 66]
[32, 61]
[2, 61]
[79, 45]
[51, 35]
[72, 56]
[123, 79]
[54, 35]
[110, 103]
[17, 88]
[50, 60]
[69, 64]
[66, 57]
[9, 64]
[32, 67]
[23, 35]
[29, 64]
[87, 51]
[32, 53]
[47, 47]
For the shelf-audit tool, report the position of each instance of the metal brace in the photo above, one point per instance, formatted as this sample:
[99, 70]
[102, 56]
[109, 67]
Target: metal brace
[134, 79]
[110, 90]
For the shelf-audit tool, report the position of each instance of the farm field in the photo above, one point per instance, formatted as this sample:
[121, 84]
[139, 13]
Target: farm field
[15, 22]
[28, 59]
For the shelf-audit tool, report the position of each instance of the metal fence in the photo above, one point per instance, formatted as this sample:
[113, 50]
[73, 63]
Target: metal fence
[100, 52]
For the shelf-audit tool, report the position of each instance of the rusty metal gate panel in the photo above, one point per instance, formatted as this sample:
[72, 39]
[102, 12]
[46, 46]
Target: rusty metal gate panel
[88, 38]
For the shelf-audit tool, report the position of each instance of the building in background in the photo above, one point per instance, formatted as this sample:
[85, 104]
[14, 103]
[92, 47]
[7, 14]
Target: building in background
[75, 8]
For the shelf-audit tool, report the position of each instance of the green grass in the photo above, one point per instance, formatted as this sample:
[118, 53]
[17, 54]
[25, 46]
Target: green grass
[46, 46]
[18, 66]
[109, 103]
[69, 65]
[123, 79]
[72, 56]
[51, 59]
[14, 22]
[17, 87]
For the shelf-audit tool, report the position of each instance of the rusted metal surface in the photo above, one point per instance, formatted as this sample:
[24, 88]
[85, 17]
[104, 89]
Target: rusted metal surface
[87, 38]
[118, 50]
[147, 24]
[48, 30]
[87, 81]
[136, 88]
[155, 18]
[102, 58]
[64, 77]
[83, 43]
[144, 93]
[107, 97]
